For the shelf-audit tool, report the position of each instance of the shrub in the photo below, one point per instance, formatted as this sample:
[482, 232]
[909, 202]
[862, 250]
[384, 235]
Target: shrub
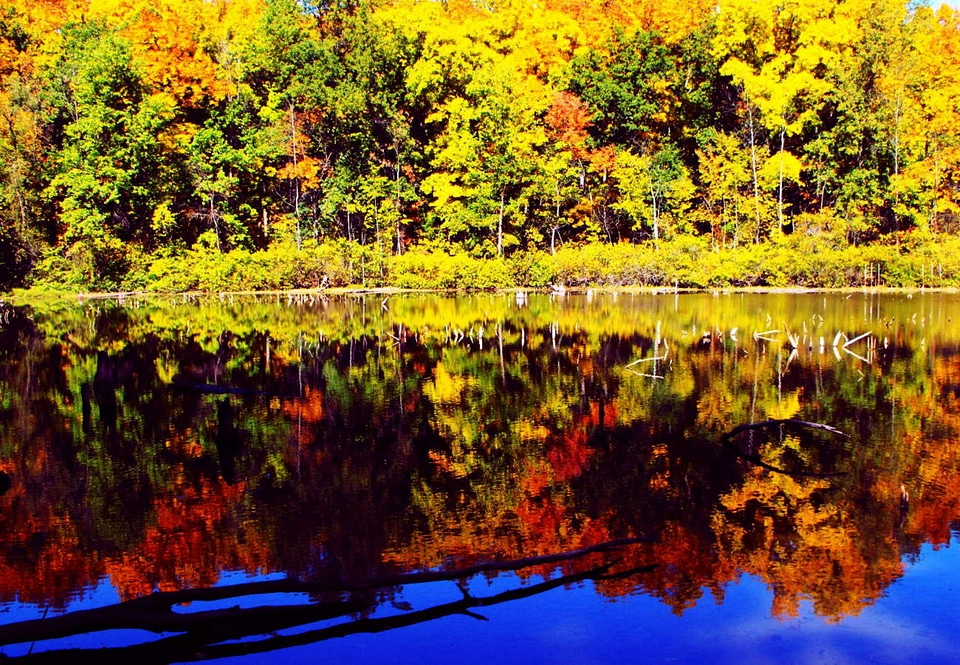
[418, 269]
[532, 268]
[799, 259]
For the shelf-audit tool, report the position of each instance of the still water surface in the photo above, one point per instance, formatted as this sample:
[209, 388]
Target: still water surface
[495, 478]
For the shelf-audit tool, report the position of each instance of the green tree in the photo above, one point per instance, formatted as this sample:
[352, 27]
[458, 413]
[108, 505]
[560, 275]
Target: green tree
[113, 167]
[627, 87]
[289, 71]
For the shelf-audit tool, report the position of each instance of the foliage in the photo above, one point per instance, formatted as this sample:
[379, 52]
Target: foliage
[15, 260]
[282, 267]
[134, 134]
[686, 261]
[438, 270]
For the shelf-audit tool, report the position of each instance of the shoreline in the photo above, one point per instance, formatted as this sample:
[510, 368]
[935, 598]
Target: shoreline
[27, 295]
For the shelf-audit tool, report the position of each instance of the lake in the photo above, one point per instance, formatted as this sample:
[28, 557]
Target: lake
[414, 478]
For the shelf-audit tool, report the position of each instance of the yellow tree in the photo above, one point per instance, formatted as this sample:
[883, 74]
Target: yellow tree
[652, 186]
[778, 53]
[724, 170]
[671, 19]
[926, 91]
[22, 146]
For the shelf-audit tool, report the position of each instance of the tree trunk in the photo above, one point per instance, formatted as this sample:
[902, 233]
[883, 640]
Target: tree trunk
[783, 131]
[503, 194]
[753, 165]
[656, 212]
[556, 217]
[216, 223]
[296, 178]
[896, 162]
[396, 198]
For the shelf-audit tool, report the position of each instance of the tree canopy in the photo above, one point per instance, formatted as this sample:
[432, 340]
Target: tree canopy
[131, 131]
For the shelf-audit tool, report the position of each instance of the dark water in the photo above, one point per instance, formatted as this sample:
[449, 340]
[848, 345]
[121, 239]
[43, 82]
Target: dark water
[497, 478]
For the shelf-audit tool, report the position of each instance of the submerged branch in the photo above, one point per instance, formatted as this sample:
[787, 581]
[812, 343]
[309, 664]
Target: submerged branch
[213, 389]
[726, 439]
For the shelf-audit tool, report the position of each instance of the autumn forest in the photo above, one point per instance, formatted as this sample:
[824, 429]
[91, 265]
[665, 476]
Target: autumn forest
[175, 145]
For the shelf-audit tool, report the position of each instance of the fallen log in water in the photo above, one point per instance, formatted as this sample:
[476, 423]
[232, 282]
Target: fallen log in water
[227, 640]
[155, 612]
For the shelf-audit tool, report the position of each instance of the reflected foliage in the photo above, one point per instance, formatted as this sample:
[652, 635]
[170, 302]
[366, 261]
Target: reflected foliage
[162, 442]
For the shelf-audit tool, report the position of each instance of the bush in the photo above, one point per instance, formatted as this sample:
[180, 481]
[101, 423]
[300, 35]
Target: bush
[419, 269]
[101, 264]
[533, 269]
[281, 267]
[799, 259]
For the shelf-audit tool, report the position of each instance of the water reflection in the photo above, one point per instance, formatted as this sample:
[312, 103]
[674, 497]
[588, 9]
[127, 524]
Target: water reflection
[194, 624]
[160, 443]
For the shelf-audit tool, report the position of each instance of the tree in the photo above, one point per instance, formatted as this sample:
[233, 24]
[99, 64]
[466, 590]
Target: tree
[212, 165]
[177, 44]
[724, 175]
[777, 53]
[927, 168]
[290, 70]
[651, 186]
[555, 185]
[628, 88]
[381, 141]
[852, 157]
[113, 166]
[486, 156]
[25, 221]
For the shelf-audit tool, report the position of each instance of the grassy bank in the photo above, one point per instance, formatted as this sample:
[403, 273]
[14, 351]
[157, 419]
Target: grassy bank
[686, 262]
